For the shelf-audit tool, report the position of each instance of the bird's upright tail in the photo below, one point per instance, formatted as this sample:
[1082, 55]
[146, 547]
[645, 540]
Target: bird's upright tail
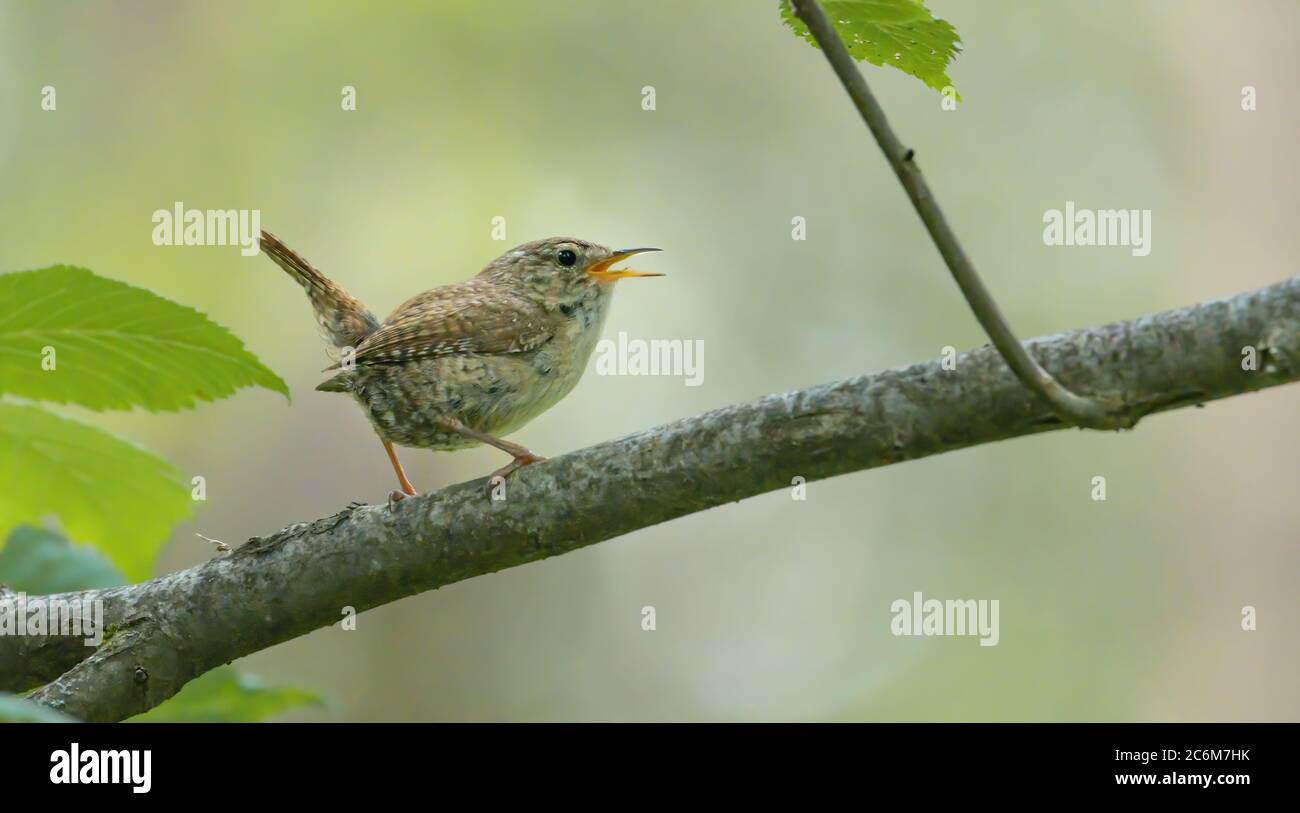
[345, 321]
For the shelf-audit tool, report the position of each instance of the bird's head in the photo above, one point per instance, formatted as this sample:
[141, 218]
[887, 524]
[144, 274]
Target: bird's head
[563, 268]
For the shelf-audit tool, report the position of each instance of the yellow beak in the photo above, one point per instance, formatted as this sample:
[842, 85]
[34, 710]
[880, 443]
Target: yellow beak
[601, 270]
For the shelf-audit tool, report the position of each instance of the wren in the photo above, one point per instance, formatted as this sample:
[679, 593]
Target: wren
[465, 364]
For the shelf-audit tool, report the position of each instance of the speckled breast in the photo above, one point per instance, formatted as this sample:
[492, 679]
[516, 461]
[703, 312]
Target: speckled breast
[492, 394]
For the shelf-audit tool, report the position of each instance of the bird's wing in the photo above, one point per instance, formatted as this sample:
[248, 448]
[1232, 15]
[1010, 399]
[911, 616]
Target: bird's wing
[456, 320]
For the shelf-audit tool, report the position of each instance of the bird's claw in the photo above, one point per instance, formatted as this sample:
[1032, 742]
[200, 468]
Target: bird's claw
[499, 476]
[396, 496]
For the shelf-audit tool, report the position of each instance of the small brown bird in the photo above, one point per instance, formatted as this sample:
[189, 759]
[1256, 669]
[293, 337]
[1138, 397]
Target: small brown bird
[464, 364]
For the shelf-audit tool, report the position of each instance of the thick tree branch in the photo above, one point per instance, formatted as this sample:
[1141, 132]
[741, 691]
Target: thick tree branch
[171, 629]
[1095, 412]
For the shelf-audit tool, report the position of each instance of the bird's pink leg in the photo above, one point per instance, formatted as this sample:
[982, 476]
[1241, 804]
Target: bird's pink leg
[408, 490]
[522, 456]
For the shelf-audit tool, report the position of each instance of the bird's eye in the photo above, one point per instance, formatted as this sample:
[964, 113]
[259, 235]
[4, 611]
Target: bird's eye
[566, 258]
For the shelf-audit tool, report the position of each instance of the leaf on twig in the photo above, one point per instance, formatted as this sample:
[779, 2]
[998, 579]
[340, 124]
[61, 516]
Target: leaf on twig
[105, 491]
[70, 336]
[38, 561]
[899, 33]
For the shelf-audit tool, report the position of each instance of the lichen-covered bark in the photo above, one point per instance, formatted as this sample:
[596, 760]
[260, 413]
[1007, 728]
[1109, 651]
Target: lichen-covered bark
[171, 629]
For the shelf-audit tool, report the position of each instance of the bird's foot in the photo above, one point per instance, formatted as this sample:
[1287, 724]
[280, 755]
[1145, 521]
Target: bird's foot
[499, 476]
[396, 496]
[407, 489]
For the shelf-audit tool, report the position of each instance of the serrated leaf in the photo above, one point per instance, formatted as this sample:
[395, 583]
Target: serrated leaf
[38, 561]
[224, 695]
[14, 709]
[899, 33]
[115, 346]
[105, 491]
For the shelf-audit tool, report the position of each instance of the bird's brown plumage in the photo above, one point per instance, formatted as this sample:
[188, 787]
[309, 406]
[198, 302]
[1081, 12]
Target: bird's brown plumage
[346, 321]
[467, 363]
[469, 317]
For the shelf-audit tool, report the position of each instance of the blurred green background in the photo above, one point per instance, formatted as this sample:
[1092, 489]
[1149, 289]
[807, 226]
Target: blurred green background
[771, 609]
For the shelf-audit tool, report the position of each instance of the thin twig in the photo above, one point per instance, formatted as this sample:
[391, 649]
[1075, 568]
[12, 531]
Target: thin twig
[1094, 413]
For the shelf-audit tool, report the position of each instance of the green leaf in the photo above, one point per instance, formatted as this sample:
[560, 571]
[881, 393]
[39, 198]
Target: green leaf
[39, 561]
[14, 709]
[223, 695]
[899, 33]
[115, 346]
[105, 491]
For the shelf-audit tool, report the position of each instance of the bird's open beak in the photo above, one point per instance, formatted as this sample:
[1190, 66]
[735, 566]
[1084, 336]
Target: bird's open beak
[601, 270]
